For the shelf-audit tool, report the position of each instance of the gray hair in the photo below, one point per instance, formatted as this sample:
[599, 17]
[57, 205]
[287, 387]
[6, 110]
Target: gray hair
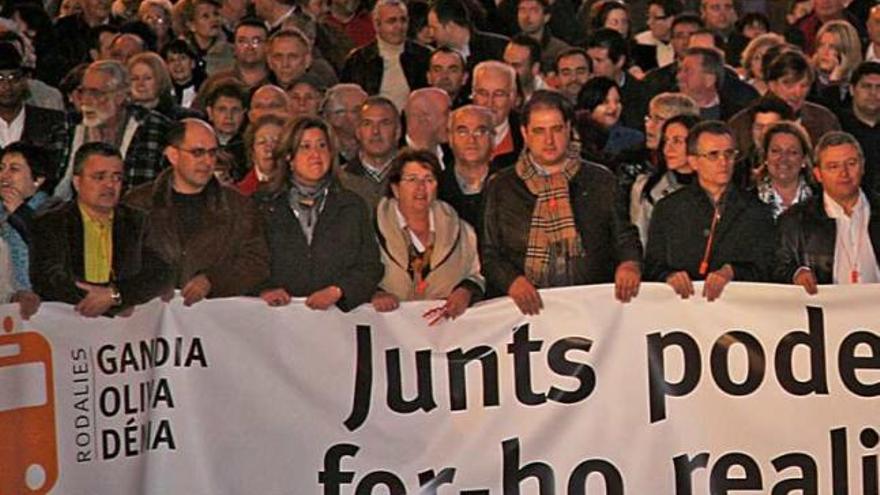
[115, 69]
[495, 65]
[483, 112]
[675, 104]
[389, 3]
[336, 91]
[838, 138]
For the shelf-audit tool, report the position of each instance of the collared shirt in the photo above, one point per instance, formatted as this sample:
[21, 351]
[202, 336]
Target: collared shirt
[11, 132]
[416, 242]
[854, 261]
[466, 188]
[665, 53]
[374, 173]
[872, 54]
[97, 248]
[501, 131]
[438, 150]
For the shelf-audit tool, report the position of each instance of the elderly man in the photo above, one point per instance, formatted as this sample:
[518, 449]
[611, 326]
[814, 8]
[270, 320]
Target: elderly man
[139, 134]
[461, 185]
[495, 89]
[709, 230]
[701, 75]
[269, 99]
[92, 252]
[427, 111]
[446, 70]
[210, 234]
[576, 234]
[342, 106]
[390, 66]
[377, 133]
[833, 238]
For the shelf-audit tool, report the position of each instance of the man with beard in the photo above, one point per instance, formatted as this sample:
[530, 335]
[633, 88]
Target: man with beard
[572, 70]
[139, 134]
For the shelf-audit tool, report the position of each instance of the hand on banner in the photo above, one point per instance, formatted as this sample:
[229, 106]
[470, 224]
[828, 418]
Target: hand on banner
[96, 302]
[275, 297]
[455, 306]
[196, 289]
[384, 302]
[525, 296]
[627, 278]
[681, 284]
[806, 279]
[716, 281]
[324, 298]
[28, 303]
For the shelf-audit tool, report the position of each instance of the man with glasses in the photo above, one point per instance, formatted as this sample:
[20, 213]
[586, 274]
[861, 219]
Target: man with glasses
[209, 233]
[249, 41]
[709, 230]
[341, 109]
[495, 89]
[91, 252]
[22, 122]
[139, 134]
[832, 238]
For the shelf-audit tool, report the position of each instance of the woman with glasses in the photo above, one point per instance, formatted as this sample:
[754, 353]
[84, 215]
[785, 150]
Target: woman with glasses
[785, 178]
[673, 173]
[428, 251]
[320, 241]
[261, 139]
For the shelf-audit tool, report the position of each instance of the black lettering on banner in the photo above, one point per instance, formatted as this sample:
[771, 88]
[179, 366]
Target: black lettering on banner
[684, 467]
[721, 366]
[430, 482]
[332, 477]
[514, 475]
[521, 347]
[458, 360]
[363, 383]
[721, 483]
[814, 340]
[424, 398]
[393, 483]
[807, 484]
[577, 482]
[658, 387]
[850, 363]
[556, 359]
[869, 439]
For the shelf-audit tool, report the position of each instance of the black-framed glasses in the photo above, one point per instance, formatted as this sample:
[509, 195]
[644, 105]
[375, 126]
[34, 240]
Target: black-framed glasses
[199, 153]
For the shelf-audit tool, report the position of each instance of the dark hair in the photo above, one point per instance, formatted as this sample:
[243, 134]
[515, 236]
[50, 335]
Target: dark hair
[88, 150]
[452, 11]
[94, 34]
[789, 63]
[753, 18]
[380, 101]
[717, 40]
[602, 9]
[143, 31]
[594, 92]
[612, 41]
[37, 160]
[547, 99]
[291, 136]
[177, 131]
[532, 44]
[229, 87]
[773, 104]
[864, 69]
[408, 155]
[569, 52]
[712, 61]
[418, 18]
[251, 22]
[714, 127]
[545, 4]
[671, 8]
[689, 122]
[178, 46]
[449, 50]
[687, 18]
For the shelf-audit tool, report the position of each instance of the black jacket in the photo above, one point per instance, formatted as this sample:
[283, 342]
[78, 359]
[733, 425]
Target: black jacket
[57, 252]
[48, 130]
[364, 66]
[485, 46]
[343, 251]
[607, 237]
[807, 237]
[680, 226]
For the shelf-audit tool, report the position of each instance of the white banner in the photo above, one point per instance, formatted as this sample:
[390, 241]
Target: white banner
[766, 391]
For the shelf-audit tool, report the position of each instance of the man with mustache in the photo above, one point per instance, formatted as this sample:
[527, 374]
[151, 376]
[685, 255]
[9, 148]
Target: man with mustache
[137, 133]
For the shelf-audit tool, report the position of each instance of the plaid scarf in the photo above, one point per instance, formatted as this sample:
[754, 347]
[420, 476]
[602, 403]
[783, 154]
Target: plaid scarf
[552, 226]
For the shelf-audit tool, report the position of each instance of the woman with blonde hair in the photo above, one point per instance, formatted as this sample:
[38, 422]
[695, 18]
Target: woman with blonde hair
[838, 53]
[785, 178]
[151, 86]
[321, 243]
[752, 68]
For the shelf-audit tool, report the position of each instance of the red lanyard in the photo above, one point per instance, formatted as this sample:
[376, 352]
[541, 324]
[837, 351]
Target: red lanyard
[704, 264]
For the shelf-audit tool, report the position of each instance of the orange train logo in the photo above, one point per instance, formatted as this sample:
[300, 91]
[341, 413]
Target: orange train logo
[28, 453]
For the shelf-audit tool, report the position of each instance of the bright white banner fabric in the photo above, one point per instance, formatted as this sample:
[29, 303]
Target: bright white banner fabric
[766, 391]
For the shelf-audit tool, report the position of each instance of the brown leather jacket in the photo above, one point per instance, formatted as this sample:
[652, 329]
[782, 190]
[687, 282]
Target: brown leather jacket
[228, 247]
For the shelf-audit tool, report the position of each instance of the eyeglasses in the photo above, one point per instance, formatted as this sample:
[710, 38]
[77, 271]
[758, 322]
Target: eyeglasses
[199, 153]
[11, 77]
[715, 155]
[499, 94]
[479, 132]
[155, 18]
[253, 42]
[416, 180]
[94, 94]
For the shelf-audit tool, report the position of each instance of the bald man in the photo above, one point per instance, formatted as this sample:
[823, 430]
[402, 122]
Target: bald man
[427, 111]
[269, 99]
[209, 233]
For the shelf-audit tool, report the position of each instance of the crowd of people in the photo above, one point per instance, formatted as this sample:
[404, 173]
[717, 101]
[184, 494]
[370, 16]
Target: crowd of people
[351, 152]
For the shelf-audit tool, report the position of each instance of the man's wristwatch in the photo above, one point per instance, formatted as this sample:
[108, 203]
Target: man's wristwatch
[115, 295]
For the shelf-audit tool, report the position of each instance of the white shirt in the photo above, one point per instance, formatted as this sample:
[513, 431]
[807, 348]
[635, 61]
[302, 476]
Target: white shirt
[11, 132]
[871, 54]
[665, 53]
[401, 221]
[853, 251]
[438, 150]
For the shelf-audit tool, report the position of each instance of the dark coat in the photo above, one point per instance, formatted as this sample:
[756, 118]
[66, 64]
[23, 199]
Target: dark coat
[507, 159]
[816, 119]
[364, 66]
[228, 247]
[607, 237]
[485, 46]
[680, 228]
[807, 237]
[57, 257]
[343, 251]
[48, 130]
